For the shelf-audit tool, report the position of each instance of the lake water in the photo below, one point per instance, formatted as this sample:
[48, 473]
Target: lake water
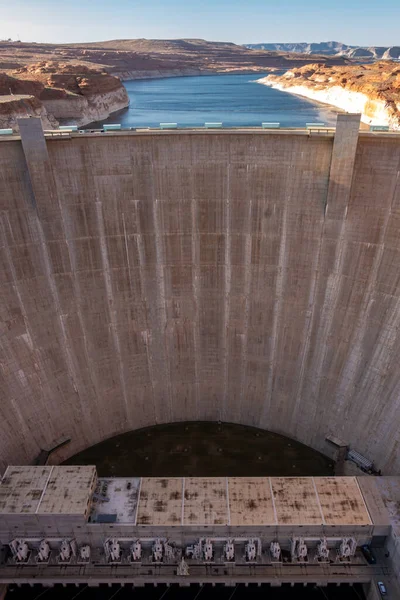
[234, 100]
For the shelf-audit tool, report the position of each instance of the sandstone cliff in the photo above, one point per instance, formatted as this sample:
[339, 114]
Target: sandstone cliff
[373, 90]
[61, 91]
[13, 107]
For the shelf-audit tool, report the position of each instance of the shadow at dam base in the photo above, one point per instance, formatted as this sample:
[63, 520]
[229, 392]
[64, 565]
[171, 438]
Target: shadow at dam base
[203, 449]
[198, 592]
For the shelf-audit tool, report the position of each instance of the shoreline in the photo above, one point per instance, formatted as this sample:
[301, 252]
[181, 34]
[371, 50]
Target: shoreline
[143, 75]
[337, 109]
[339, 99]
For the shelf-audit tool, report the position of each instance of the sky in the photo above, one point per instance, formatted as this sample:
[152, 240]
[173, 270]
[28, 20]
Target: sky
[354, 22]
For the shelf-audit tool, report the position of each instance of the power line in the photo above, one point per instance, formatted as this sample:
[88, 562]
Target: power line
[80, 592]
[118, 590]
[357, 594]
[199, 592]
[231, 596]
[163, 594]
[41, 593]
[322, 591]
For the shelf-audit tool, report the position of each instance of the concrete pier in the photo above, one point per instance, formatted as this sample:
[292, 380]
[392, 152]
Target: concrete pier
[249, 276]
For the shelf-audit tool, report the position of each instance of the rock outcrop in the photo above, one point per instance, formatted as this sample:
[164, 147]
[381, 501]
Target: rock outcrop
[14, 107]
[60, 91]
[373, 90]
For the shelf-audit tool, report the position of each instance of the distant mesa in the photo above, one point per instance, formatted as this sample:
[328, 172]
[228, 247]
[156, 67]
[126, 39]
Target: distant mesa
[332, 49]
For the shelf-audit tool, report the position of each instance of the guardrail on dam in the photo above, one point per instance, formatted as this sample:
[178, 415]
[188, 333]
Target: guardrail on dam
[150, 277]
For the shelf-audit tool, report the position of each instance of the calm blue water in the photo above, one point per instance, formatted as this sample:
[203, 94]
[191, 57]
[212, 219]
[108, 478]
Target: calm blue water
[234, 100]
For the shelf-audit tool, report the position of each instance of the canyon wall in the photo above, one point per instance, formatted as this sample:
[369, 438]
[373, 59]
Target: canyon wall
[56, 91]
[163, 276]
[373, 112]
[371, 90]
[82, 110]
[17, 107]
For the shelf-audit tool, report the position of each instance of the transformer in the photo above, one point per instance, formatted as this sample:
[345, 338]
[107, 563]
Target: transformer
[157, 550]
[44, 551]
[20, 550]
[136, 550]
[275, 550]
[323, 550]
[250, 551]
[65, 551]
[84, 554]
[298, 550]
[208, 550]
[194, 551]
[229, 551]
[169, 552]
[112, 549]
[347, 548]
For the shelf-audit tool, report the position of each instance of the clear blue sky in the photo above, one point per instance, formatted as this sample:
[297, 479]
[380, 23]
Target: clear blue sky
[358, 22]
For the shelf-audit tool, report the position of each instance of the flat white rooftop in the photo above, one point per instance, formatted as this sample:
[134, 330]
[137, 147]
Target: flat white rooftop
[236, 501]
[64, 490]
[190, 501]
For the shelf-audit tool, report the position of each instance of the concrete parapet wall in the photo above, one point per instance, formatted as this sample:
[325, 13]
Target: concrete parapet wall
[250, 278]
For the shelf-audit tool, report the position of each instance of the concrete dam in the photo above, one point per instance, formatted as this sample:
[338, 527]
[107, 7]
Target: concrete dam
[237, 275]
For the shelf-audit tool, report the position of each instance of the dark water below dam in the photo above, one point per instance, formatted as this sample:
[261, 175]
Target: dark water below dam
[203, 449]
[234, 100]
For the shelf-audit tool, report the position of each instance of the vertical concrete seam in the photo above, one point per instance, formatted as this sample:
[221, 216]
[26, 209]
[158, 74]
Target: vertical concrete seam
[277, 310]
[60, 314]
[196, 300]
[247, 293]
[65, 224]
[28, 134]
[332, 288]
[15, 407]
[127, 252]
[325, 204]
[65, 349]
[309, 321]
[160, 262]
[363, 321]
[227, 292]
[150, 365]
[111, 309]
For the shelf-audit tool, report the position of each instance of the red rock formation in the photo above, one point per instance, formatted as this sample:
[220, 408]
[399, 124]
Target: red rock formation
[379, 82]
[67, 91]
[14, 107]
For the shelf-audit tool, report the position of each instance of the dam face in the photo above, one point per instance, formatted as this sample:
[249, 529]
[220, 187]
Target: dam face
[248, 277]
